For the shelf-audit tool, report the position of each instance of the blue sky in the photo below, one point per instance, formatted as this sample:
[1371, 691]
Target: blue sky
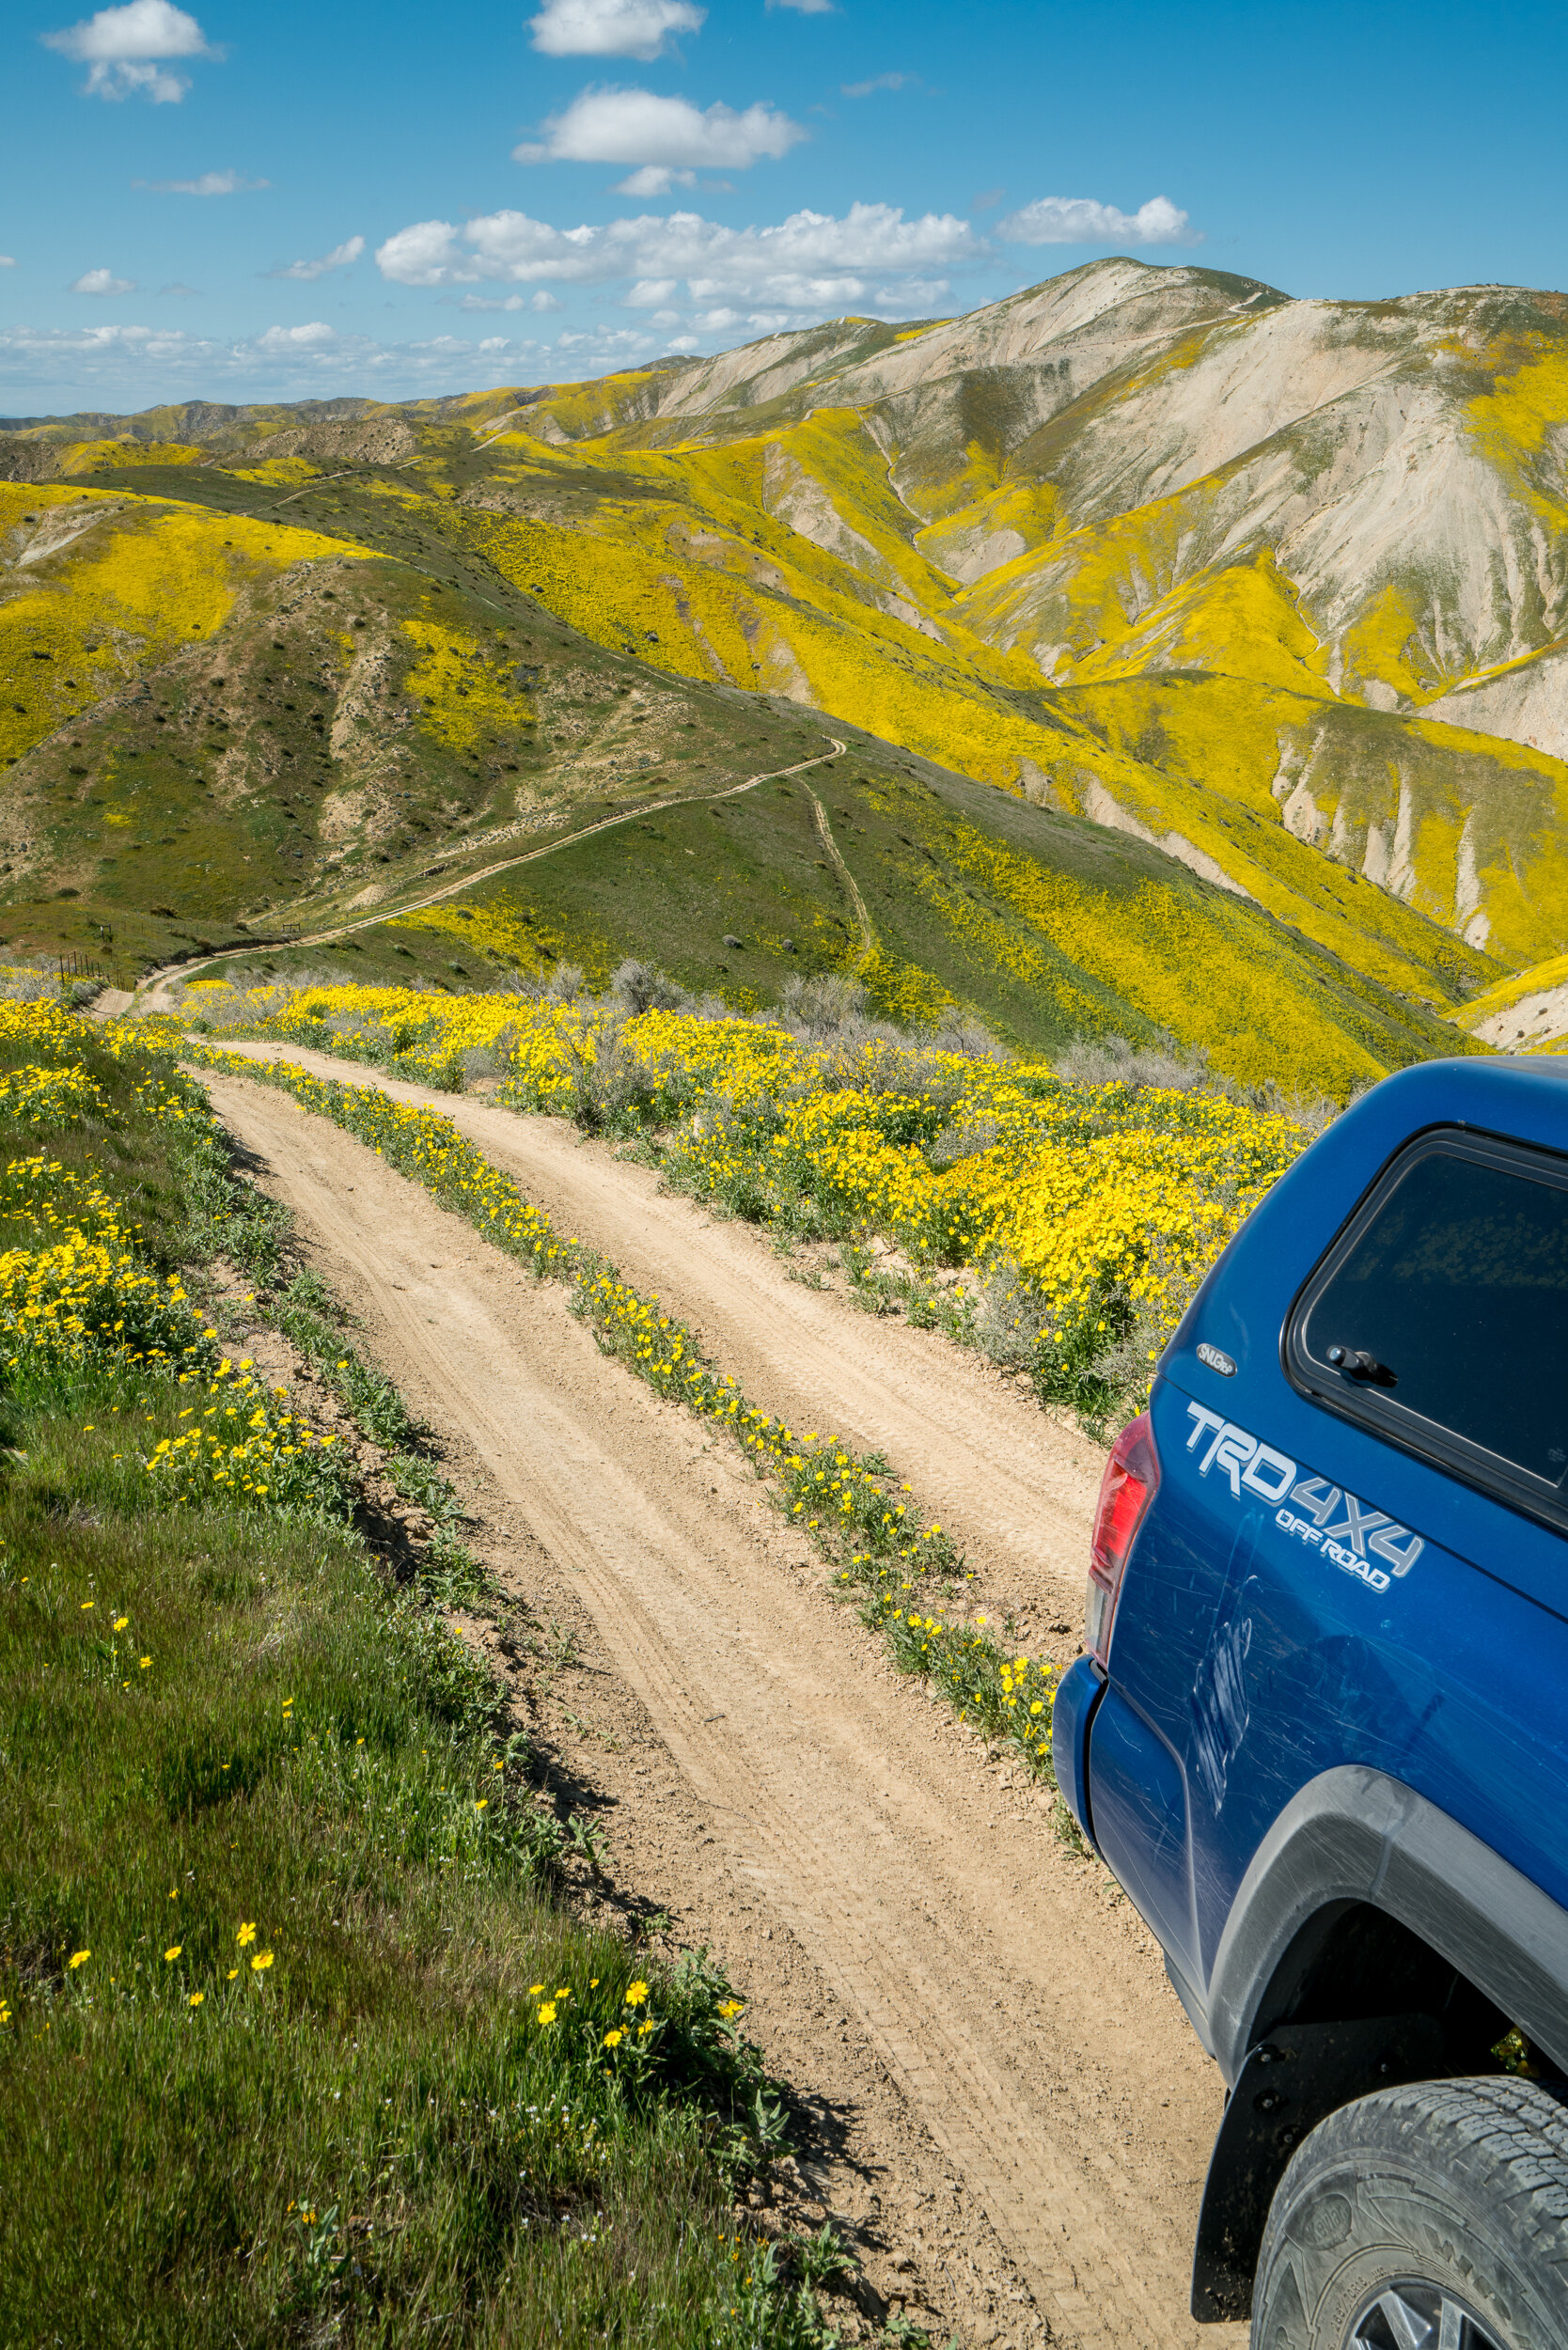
[231, 203]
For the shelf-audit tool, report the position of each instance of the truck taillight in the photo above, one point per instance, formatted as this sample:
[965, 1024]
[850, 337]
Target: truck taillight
[1129, 1485]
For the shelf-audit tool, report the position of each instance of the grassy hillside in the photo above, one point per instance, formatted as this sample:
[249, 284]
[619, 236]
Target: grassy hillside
[211, 718]
[1050, 926]
[364, 708]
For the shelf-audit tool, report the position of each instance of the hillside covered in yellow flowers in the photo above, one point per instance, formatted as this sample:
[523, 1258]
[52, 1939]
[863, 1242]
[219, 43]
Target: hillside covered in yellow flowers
[1200, 654]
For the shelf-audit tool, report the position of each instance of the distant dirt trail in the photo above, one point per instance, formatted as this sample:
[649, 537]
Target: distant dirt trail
[868, 936]
[155, 988]
[1017, 1490]
[1016, 2004]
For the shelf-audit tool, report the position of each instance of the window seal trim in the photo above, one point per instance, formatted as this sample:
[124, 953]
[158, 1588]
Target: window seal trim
[1365, 1408]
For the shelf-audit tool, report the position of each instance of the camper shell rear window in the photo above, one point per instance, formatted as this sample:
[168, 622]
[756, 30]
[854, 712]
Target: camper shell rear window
[1439, 1317]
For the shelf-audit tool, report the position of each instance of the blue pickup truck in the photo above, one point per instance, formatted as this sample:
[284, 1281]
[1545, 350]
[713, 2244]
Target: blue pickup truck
[1320, 1732]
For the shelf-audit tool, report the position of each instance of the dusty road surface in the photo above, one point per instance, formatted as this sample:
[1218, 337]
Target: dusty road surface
[1003, 1989]
[1016, 1490]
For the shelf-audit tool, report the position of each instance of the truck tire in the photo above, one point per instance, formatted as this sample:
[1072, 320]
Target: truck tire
[1430, 2217]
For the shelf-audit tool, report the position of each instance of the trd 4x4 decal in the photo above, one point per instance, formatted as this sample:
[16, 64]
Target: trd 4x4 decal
[1303, 1506]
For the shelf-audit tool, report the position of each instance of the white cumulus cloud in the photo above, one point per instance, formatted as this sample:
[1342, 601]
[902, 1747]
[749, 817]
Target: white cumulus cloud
[8, 260]
[1078, 220]
[811, 261]
[295, 337]
[635, 126]
[654, 179]
[307, 272]
[541, 301]
[126, 50]
[210, 183]
[612, 28]
[101, 281]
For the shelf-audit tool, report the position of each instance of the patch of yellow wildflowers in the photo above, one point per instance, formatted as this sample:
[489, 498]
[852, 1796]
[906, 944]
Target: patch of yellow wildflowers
[32, 1096]
[80, 1283]
[1079, 1193]
[240, 1445]
[460, 687]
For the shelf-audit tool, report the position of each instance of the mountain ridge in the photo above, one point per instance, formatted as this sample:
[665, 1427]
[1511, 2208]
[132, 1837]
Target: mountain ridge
[1275, 587]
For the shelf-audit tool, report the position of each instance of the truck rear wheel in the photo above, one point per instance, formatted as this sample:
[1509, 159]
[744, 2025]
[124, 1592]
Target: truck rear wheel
[1430, 2217]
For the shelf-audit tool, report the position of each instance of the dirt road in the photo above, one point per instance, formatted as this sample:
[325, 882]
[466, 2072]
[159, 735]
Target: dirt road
[1016, 1490]
[1014, 2000]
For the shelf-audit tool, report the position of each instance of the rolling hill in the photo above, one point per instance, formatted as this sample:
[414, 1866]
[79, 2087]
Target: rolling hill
[1175, 627]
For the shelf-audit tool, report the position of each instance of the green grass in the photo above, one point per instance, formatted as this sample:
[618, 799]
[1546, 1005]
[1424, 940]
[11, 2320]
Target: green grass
[373, 2135]
[138, 1160]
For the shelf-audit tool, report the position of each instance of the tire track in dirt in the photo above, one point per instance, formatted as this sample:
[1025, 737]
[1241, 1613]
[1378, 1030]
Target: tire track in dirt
[1015, 1488]
[1025, 2022]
